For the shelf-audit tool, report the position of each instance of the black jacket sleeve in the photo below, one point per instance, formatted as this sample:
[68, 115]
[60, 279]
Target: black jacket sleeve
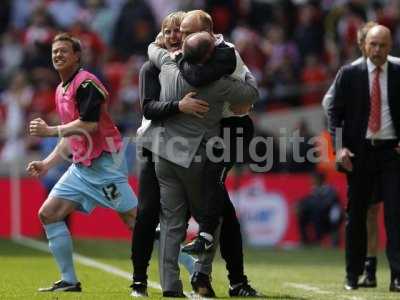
[149, 92]
[89, 98]
[336, 110]
[222, 62]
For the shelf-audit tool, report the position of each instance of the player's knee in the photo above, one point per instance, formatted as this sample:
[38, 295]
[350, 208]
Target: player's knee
[45, 215]
[129, 218]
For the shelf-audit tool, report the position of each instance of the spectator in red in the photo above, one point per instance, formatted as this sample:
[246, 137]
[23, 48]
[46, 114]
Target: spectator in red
[314, 79]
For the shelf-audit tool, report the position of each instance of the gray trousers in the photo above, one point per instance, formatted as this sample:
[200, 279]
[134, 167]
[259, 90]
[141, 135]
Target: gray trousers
[178, 186]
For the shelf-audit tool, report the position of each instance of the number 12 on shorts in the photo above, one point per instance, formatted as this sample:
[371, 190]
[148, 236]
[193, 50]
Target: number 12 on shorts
[111, 192]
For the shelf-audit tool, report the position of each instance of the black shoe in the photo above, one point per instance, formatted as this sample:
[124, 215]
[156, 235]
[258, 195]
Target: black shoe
[62, 286]
[139, 289]
[173, 294]
[244, 290]
[395, 285]
[367, 281]
[351, 283]
[198, 246]
[201, 285]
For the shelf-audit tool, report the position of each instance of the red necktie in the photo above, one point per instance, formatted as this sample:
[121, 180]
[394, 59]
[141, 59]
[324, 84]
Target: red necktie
[374, 121]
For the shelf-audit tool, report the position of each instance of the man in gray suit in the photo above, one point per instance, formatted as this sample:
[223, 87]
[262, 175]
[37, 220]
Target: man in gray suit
[180, 145]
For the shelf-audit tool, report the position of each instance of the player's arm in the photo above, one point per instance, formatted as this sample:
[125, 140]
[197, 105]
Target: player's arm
[328, 97]
[89, 102]
[243, 107]
[335, 106]
[149, 90]
[336, 115]
[241, 94]
[222, 62]
[242, 72]
[59, 154]
[153, 109]
[158, 56]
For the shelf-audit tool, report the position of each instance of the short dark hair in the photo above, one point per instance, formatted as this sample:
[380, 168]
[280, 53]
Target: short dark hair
[197, 47]
[66, 37]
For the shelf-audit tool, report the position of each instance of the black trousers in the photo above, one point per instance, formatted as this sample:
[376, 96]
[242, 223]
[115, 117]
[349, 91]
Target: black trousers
[237, 133]
[377, 167]
[231, 243]
[147, 217]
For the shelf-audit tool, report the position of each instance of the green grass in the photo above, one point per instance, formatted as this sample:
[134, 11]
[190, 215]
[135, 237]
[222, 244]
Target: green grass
[274, 272]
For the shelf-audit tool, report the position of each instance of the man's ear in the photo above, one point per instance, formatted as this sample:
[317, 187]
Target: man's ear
[78, 56]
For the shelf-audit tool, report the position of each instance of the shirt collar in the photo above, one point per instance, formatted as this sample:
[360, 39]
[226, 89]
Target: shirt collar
[65, 84]
[372, 67]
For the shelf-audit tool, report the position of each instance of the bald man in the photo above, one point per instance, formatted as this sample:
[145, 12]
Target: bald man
[237, 123]
[198, 48]
[364, 120]
[180, 144]
[368, 280]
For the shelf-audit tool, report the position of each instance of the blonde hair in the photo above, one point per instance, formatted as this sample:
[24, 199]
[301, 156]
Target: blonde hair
[363, 31]
[203, 18]
[174, 18]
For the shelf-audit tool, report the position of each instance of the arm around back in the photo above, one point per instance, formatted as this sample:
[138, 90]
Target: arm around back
[239, 92]
[157, 55]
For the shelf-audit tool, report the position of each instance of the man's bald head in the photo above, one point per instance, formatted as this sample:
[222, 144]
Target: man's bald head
[195, 21]
[198, 47]
[378, 44]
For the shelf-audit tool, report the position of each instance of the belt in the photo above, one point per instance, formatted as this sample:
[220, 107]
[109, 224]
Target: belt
[382, 144]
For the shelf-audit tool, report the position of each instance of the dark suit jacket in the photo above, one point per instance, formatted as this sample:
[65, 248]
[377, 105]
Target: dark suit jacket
[351, 104]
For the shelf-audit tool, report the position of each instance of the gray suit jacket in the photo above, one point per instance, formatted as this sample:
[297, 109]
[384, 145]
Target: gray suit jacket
[178, 138]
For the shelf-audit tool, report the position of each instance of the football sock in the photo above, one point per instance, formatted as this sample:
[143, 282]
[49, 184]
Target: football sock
[60, 245]
[187, 261]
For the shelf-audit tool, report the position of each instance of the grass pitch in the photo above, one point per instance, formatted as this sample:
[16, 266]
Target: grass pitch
[293, 274]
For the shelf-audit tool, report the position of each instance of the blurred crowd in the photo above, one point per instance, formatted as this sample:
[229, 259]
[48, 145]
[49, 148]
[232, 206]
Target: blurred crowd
[294, 47]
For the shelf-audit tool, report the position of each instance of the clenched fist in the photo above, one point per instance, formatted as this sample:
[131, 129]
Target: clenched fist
[37, 168]
[38, 127]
